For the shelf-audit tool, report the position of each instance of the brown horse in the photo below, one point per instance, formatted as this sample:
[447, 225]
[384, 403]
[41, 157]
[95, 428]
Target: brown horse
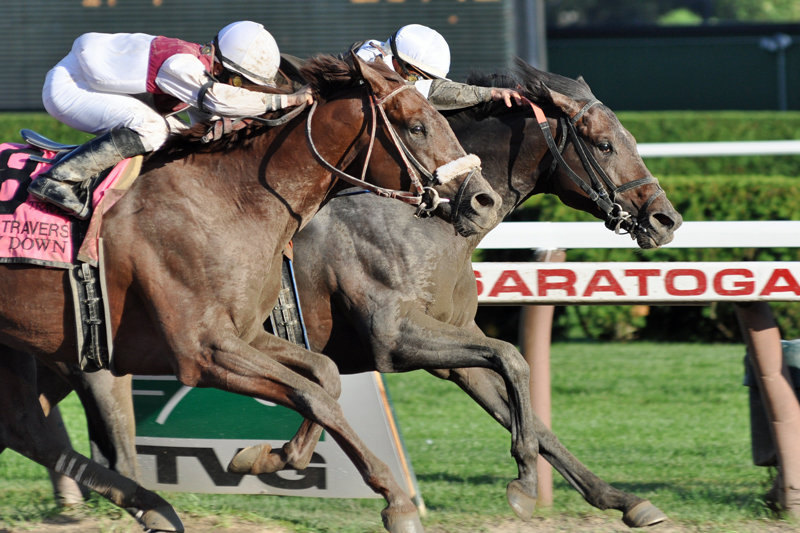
[421, 316]
[192, 258]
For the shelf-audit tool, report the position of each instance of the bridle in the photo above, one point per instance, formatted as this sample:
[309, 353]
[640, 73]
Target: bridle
[600, 189]
[423, 195]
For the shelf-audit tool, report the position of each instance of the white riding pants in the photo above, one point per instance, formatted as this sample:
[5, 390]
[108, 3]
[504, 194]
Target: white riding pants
[69, 97]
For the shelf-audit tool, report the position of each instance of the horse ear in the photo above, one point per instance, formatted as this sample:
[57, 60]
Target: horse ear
[371, 76]
[563, 102]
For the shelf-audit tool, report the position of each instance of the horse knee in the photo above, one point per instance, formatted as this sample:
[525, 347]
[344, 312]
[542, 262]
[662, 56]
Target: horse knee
[329, 377]
[517, 368]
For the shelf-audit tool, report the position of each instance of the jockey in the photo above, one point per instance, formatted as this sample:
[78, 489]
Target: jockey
[126, 88]
[422, 56]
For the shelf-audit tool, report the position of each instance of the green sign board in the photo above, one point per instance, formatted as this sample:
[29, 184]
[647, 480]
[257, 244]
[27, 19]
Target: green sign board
[185, 438]
[165, 408]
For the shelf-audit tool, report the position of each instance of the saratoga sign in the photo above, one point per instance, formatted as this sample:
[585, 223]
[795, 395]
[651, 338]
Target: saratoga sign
[604, 283]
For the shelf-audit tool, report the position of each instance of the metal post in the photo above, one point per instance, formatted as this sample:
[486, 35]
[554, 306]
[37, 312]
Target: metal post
[763, 341]
[531, 31]
[778, 44]
[536, 326]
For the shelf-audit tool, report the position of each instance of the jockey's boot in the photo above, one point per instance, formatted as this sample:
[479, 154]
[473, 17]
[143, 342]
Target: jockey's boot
[63, 184]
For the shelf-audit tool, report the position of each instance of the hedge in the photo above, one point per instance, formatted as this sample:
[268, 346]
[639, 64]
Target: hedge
[722, 188]
[685, 126]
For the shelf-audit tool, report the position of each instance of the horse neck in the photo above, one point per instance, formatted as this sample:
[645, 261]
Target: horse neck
[292, 171]
[512, 150]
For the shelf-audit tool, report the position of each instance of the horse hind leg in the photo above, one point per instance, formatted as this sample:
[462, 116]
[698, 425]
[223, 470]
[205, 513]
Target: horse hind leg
[24, 429]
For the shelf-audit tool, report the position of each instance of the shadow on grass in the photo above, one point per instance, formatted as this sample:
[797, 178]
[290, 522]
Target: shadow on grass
[483, 479]
[739, 497]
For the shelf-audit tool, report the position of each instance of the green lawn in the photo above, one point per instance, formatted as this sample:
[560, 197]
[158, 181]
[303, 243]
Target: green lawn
[668, 422]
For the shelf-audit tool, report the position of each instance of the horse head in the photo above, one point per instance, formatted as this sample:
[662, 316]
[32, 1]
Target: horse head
[597, 167]
[402, 130]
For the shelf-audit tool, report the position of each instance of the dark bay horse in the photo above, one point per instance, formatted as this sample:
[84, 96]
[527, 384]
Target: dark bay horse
[409, 299]
[420, 314]
[193, 253]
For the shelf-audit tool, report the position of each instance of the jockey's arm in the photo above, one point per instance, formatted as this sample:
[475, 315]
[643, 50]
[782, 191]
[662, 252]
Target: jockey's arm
[183, 75]
[446, 95]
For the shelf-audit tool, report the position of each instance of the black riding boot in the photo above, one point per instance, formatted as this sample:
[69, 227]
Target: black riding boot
[63, 184]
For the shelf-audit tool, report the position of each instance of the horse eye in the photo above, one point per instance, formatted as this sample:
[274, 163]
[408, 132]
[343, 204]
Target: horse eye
[604, 146]
[419, 129]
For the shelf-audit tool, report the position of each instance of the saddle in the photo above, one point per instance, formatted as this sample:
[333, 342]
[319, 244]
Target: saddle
[32, 232]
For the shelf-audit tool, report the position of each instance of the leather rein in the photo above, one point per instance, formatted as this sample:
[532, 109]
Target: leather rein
[425, 197]
[601, 190]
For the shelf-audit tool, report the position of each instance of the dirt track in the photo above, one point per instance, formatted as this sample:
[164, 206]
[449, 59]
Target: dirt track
[596, 524]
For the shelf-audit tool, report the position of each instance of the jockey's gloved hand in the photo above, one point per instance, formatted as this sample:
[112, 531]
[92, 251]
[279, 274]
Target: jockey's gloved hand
[281, 101]
[304, 95]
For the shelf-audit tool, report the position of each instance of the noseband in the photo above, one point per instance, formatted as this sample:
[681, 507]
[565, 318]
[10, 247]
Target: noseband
[601, 190]
[425, 197]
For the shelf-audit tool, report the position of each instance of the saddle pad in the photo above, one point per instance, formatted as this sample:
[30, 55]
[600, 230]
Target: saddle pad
[32, 231]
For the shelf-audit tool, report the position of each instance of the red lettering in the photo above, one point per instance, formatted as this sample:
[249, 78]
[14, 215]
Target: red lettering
[789, 283]
[672, 275]
[566, 284]
[611, 284]
[515, 284]
[642, 275]
[741, 287]
[478, 281]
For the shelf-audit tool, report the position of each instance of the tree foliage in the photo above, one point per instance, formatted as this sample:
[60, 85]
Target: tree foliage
[646, 12]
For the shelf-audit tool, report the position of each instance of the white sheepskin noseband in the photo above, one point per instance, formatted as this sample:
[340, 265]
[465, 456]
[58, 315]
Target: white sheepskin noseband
[457, 167]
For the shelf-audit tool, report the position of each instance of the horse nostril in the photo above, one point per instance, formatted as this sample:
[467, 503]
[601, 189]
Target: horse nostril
[484, 200]
[665, 221]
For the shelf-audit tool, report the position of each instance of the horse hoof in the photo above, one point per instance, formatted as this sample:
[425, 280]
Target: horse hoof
[402, 522]
[520, 501]
[161, 518]
[245, 461]
[643, 514]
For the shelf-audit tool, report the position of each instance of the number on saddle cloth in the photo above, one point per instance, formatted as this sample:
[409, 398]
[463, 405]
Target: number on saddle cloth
[16, 167]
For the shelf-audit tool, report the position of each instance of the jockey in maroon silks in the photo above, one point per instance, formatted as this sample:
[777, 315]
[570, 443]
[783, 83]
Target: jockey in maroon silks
[126, 88]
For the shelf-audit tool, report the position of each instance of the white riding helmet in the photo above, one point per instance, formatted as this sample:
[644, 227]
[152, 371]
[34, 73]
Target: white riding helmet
[247, 48]
[423, 48]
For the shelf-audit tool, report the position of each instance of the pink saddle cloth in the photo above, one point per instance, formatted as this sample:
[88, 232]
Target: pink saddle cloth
[32, 231]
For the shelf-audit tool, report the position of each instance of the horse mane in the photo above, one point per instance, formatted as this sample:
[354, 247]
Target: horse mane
[325, 74]
[328, 75]
[531, 82]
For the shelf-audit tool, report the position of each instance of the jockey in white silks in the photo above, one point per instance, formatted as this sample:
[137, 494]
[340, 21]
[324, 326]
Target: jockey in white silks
[126, 87]
[422, 56]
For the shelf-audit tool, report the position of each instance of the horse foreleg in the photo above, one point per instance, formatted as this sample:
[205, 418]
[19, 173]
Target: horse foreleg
[24, 428]
[66, 490]
[265, 373]
[296, 453]
[487, 389]
[108, 402]
[419, 341]
[52, 389]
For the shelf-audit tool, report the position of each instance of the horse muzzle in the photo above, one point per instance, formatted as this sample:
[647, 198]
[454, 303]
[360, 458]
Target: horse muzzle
[656, 229]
